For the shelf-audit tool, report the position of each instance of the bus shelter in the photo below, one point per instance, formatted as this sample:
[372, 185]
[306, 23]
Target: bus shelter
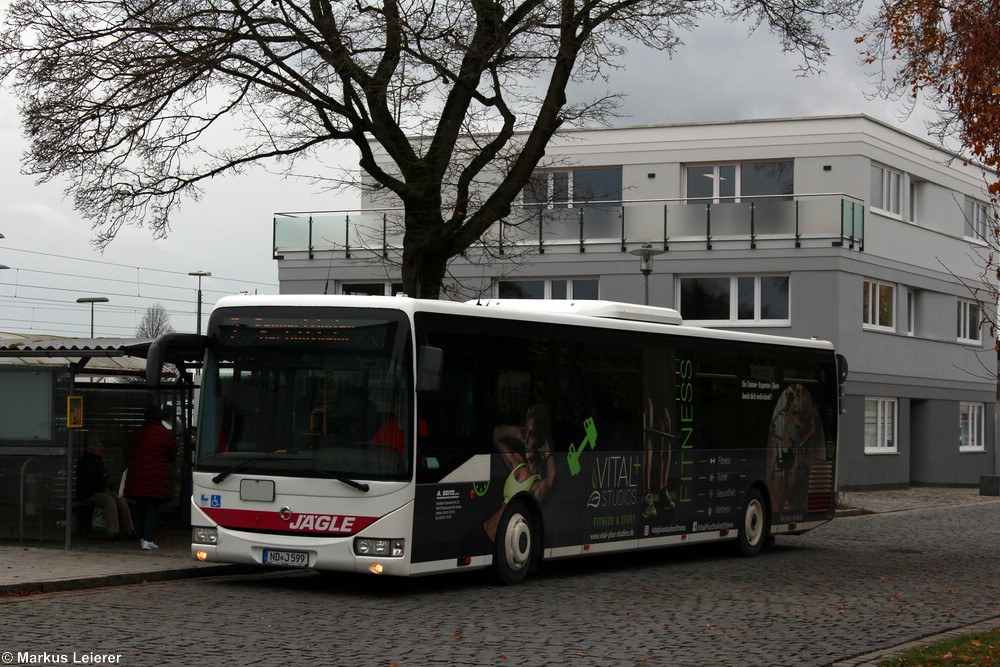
[56, 396]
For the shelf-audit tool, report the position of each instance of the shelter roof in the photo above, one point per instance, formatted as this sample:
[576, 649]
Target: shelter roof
[91, 356]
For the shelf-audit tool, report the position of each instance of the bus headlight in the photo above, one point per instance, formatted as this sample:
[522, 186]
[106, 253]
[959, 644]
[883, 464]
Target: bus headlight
[202, 535]
[380, 546]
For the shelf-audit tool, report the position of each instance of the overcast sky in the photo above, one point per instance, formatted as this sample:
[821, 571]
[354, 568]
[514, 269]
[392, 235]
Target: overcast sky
[718, 74]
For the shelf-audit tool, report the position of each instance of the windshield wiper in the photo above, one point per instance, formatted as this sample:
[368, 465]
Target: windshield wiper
[360, 486]
[241, 465]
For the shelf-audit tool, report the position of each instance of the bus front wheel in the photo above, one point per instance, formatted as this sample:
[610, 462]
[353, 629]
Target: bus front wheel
[753, 524]
[515, 545]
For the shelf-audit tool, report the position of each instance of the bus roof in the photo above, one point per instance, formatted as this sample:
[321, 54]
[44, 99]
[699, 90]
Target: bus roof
[604, 314]
[611, 309]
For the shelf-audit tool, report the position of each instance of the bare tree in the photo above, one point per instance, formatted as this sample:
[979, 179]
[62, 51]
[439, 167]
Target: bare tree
[155, 322]
[138, 102]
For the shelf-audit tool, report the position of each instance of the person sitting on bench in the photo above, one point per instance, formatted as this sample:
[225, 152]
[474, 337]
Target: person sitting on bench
[93, 486]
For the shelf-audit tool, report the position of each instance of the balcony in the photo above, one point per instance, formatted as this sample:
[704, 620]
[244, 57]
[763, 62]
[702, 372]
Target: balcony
[816, 220]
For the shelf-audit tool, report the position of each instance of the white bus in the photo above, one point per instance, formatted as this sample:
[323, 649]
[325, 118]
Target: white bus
[405, 437]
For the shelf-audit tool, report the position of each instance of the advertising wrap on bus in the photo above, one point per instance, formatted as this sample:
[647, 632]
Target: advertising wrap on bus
[634, 445]
[399, 436]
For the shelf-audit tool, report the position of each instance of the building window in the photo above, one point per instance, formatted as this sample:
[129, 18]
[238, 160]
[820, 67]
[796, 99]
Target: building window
[735, 300]
[555, 288]
[969, 321]
[880, 426]
[912, 213]
[727, 183]
[585, 288]
[911, 313]
[879, 305]
[886, 190]
[970, 427]
[372, 289]
[714, 182]
[919, 192]
[977, 220]
[601, 187]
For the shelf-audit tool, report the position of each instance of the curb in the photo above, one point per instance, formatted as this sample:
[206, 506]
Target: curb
[876, 658]
[100, 581]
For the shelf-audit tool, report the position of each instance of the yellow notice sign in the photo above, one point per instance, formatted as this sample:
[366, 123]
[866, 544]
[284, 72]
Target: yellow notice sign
[74, 412]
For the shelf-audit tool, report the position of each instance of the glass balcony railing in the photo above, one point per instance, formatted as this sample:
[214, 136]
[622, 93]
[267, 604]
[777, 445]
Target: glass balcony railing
[780, 221]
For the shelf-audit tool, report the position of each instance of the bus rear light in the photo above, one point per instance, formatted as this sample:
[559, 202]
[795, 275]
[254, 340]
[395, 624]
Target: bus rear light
[380, 546]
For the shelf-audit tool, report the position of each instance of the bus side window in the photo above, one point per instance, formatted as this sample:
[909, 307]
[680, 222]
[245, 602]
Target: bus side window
[449, 413]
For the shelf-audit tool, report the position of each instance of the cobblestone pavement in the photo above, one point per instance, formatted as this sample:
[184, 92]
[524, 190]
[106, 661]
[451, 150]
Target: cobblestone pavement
[921, 564]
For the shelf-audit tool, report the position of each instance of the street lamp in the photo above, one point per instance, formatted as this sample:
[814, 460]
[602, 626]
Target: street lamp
[92, 300]
[200, 275]
[646, 254]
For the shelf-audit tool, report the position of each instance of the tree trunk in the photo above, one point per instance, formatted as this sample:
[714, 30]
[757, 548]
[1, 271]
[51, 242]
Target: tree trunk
[423, 272]
[425, 255]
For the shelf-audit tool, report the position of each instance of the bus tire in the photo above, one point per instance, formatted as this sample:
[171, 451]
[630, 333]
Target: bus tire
[515, 544]
[753, 528]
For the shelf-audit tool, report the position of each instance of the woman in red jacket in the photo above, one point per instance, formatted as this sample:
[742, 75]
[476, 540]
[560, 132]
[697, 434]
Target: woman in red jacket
[151, 451]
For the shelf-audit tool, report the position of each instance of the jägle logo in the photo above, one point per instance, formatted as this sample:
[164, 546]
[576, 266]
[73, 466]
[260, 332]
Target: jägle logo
[325, 523]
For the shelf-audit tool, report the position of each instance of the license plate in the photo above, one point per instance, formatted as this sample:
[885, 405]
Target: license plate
[286, 558]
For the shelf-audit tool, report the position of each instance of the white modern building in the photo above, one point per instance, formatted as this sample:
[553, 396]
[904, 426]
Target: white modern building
[842, 228]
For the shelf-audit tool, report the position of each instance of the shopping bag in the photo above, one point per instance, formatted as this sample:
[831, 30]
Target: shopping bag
[97, 523]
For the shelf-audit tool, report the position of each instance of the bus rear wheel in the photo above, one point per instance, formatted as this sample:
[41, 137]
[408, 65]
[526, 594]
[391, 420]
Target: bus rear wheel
[753, 524]
[515, 545]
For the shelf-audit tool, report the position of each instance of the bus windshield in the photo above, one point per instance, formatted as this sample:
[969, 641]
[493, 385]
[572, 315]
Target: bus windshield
[323, 393]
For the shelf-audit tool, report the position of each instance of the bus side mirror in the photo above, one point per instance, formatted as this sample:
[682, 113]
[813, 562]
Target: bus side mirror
[430, 361]
[841, 379]
[154, 362]
[172, 348]
[841, 369]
